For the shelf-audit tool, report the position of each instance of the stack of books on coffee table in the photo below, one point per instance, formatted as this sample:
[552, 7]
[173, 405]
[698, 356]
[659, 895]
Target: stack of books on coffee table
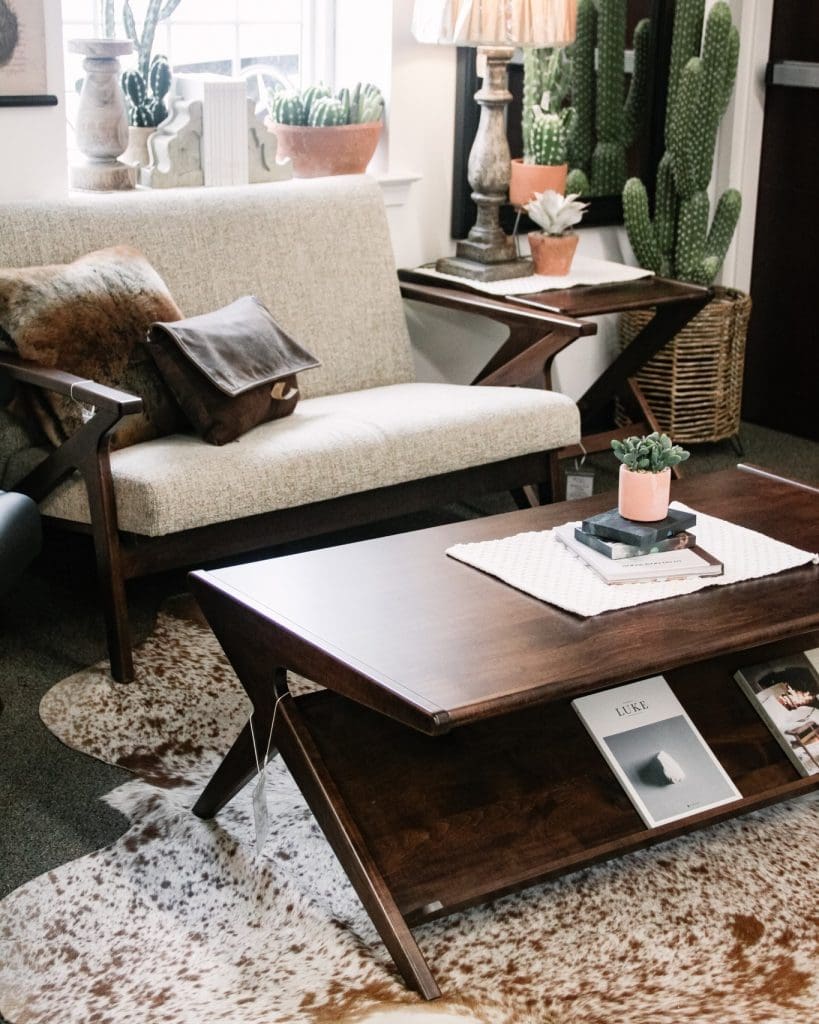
[622, 550]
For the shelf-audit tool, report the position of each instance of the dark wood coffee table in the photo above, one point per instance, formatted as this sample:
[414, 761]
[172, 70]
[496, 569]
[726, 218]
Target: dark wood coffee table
[443, 761]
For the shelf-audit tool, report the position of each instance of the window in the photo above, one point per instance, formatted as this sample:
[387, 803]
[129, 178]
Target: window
[289, 40]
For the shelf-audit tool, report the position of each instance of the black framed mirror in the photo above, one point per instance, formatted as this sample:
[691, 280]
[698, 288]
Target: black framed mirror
[642, 157]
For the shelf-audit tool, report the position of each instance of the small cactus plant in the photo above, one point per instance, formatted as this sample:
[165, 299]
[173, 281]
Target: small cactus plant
[549, 137]
[678, 242]
[146, 99]
[316, 105]
[651, 453]
[556, 214]
[545, 89]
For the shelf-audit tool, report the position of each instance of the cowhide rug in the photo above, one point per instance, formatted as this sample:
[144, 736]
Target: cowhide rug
[180, 922]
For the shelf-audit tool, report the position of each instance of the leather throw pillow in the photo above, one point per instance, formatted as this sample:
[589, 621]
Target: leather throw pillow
[89, 318]
[230, 369]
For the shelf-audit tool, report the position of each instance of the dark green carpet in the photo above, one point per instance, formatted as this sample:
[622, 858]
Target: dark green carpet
[50, 627]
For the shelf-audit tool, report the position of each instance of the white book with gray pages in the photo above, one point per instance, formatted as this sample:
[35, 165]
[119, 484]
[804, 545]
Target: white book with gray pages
[662, 565]
[655, 750]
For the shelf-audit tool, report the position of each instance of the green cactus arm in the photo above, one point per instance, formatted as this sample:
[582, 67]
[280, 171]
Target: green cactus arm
[731, 73]
[532, 92]
[129, 24]
[290, 108]
[684, 114]
[343, 96]
[327, 111]
[576, 181]
[636, 107]
[692, 228]
[608, 168]
[715, 65]
[581, 139]
[159, 78]
[638, 225]
[722, 229]
[665, 210]
[371, 109]
[685, 44]
[611, 42]
[134, 87]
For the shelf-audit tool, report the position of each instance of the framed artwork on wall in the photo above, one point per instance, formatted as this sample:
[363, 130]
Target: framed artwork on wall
[23, 79]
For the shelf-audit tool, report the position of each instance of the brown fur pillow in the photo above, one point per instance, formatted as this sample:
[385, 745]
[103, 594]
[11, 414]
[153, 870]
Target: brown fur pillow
[89, 318]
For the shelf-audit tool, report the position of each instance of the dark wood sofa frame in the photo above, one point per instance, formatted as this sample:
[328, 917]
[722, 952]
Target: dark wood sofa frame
[535, 338]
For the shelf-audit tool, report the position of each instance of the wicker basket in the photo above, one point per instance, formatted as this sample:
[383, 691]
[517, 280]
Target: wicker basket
[694, 384]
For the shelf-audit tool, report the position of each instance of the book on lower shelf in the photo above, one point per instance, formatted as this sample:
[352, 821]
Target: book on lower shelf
[663, 565]
[785, 693]
[657, 753]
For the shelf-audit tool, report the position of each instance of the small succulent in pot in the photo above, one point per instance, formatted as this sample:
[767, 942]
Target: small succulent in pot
[649, 454]
[553, 247]
[645, 475]
[146, 99]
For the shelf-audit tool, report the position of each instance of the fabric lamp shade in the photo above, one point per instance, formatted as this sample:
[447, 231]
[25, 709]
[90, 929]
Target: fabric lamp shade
[498, 23]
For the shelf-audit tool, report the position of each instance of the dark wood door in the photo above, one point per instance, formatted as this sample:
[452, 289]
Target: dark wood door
[782, 363]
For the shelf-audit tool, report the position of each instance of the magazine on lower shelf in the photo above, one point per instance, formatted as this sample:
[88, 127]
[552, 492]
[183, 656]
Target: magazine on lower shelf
[785, 693]
[655, 750]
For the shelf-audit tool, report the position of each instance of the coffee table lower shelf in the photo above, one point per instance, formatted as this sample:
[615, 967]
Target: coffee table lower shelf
[500, 805]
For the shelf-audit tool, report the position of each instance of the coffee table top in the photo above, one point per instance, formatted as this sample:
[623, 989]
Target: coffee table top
[400, 627]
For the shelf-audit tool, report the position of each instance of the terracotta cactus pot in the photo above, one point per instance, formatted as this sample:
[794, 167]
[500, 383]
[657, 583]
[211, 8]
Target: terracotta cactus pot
[319, 151]
[552, 255]
[643, 496]
[526, 179]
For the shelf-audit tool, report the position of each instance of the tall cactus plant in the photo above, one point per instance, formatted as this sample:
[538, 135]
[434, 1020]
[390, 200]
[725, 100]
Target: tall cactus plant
[607, 119]
[678, 241]
[157, 10]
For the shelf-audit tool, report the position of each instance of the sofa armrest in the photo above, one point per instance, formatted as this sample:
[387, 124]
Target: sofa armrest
[87, 450]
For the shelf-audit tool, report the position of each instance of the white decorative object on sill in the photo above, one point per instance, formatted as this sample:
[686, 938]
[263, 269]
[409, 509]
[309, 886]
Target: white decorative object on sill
[176, 149]
[102, 124]
[263, 163]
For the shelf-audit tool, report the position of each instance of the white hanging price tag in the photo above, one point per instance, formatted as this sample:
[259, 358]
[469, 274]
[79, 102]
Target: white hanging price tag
[261, 813]
[579, 481]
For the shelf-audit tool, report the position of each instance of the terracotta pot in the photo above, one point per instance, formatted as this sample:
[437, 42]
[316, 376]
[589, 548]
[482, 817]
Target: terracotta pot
[643, 496]
[526, 179]
[552, 255]
[319, 151]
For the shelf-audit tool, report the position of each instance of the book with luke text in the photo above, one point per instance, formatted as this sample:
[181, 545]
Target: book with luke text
[655, 750]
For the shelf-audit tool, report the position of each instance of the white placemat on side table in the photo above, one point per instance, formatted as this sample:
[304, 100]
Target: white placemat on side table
[584, 271]
[538, 564]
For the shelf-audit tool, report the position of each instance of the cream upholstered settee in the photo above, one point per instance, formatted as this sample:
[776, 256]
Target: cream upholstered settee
[366, 440]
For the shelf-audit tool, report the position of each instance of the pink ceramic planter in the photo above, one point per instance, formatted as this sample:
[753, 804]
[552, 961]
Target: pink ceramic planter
[644, 496]
[322, 150]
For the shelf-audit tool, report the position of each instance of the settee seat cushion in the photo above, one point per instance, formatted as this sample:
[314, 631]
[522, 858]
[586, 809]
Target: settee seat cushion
[331, 446]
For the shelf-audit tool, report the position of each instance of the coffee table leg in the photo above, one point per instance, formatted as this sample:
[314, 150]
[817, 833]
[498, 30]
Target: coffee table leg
[292, 739]
[304, 762]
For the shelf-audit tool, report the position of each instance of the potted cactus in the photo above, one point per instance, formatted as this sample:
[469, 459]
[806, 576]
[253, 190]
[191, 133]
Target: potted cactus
[678, 241]
[546, 123]
[323, 133]
[553, 247]
[146, 86]
[645, 475]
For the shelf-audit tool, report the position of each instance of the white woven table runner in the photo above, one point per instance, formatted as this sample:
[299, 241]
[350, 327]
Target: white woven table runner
[585, 270]
[538, 564]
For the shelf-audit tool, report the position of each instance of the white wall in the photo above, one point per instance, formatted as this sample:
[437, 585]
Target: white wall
[33, 164]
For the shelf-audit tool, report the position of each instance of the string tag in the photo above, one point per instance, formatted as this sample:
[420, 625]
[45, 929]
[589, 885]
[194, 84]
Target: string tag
[261, 812]
[579, 481]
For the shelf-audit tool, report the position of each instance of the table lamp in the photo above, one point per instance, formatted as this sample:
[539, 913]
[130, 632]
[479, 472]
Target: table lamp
[496, 27]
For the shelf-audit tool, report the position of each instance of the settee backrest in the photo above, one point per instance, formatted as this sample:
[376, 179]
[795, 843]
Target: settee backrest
[316, 252]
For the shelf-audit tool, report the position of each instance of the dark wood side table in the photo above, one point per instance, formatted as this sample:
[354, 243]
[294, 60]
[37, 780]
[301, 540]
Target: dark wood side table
[526, 359]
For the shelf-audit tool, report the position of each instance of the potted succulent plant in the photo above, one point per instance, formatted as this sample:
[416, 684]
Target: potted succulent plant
[645, 475]
[553, 247]
[545, 124]
[324, 133]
